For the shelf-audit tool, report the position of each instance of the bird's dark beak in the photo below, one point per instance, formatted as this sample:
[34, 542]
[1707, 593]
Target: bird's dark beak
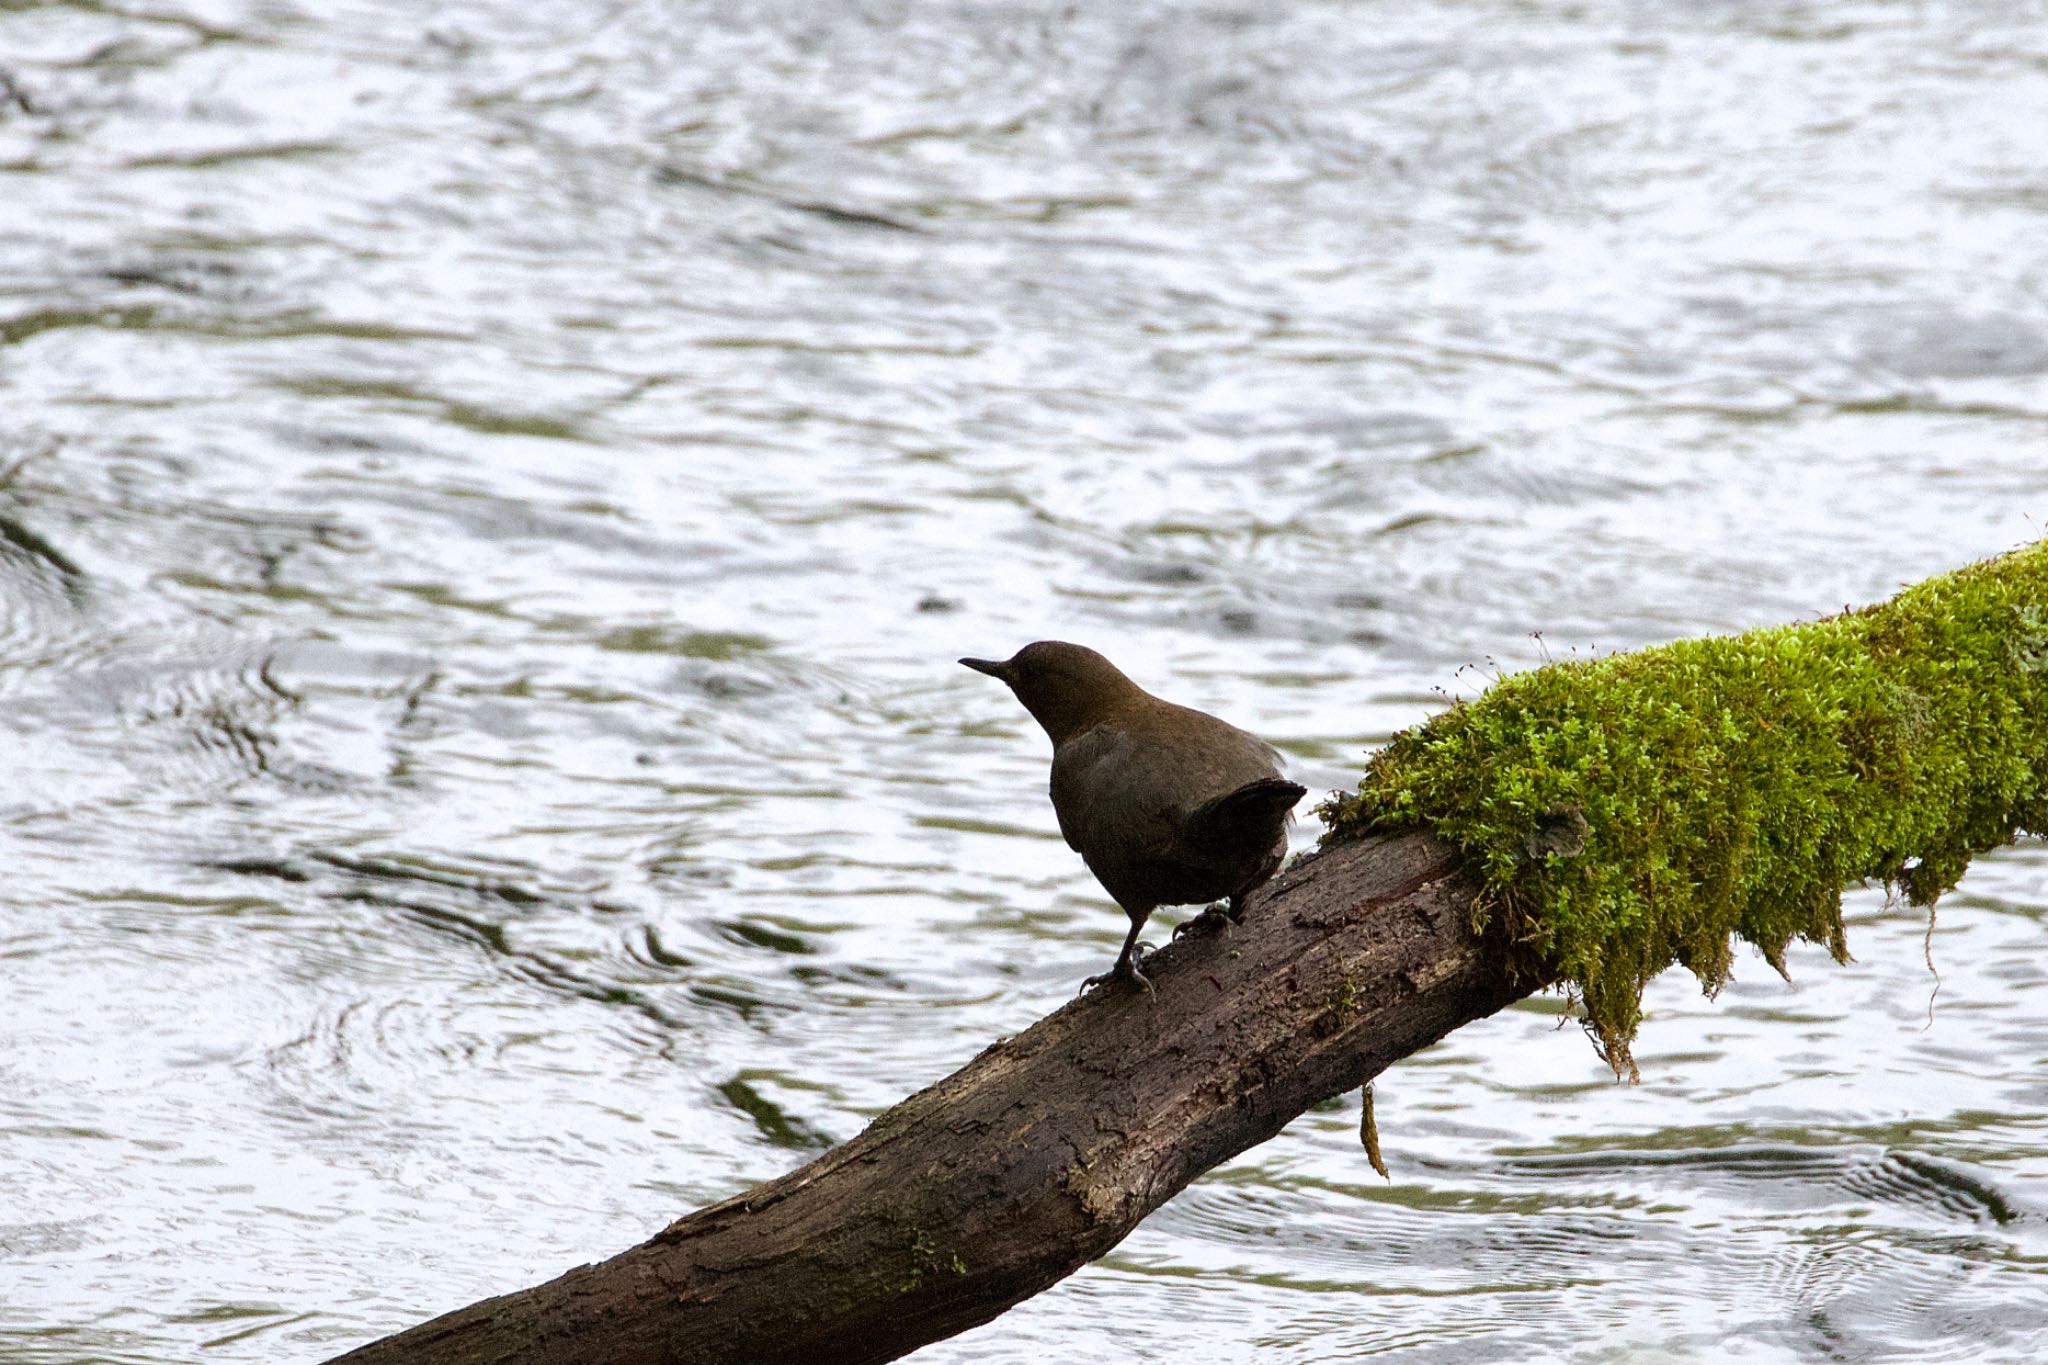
[995, 668]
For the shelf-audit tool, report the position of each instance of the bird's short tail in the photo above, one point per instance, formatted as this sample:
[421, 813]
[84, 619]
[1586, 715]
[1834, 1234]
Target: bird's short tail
[1251, 814]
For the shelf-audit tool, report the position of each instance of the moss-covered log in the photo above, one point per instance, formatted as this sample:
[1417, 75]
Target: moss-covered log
[1592, 821]
[1638, 810]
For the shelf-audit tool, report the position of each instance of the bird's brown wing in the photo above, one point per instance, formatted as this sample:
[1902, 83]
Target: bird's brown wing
[1104, 798]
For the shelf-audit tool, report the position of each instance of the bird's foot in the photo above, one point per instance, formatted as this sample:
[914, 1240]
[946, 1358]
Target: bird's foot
[1212, 917]
[1126, 969]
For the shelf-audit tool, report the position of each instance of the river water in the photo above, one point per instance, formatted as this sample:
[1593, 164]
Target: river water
[491, 495]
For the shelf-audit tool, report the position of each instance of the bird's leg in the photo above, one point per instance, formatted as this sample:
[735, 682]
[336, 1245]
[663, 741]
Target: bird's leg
[1126, 968]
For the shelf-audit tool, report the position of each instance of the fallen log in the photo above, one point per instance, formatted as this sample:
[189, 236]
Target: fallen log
[1043, 1152]
[1592, 823]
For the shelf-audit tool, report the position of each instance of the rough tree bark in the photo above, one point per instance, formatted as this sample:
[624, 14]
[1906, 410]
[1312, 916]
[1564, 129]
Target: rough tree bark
[1043, 1152]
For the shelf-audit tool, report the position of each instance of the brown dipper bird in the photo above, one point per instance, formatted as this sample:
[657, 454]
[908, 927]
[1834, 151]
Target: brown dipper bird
[1167, 805]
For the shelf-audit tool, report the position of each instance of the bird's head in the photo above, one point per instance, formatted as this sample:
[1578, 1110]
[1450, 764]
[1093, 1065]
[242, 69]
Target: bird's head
[1066, 688]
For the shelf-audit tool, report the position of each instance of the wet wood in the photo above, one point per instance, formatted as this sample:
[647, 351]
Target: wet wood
[1040, 1154]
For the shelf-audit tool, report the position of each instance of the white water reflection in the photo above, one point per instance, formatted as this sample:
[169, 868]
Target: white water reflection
[488, 505]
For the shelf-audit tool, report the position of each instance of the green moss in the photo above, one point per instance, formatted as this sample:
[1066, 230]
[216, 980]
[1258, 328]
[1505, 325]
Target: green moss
[1629, 812]
[926, 1258]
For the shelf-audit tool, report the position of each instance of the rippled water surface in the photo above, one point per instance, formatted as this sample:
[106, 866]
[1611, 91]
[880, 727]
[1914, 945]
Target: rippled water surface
[490, 496]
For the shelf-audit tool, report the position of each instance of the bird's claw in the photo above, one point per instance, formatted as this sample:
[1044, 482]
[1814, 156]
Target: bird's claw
[1126, 970]
[1211, 917]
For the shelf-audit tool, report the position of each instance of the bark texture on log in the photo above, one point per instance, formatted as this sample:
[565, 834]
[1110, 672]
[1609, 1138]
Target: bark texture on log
[1043, 1152]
